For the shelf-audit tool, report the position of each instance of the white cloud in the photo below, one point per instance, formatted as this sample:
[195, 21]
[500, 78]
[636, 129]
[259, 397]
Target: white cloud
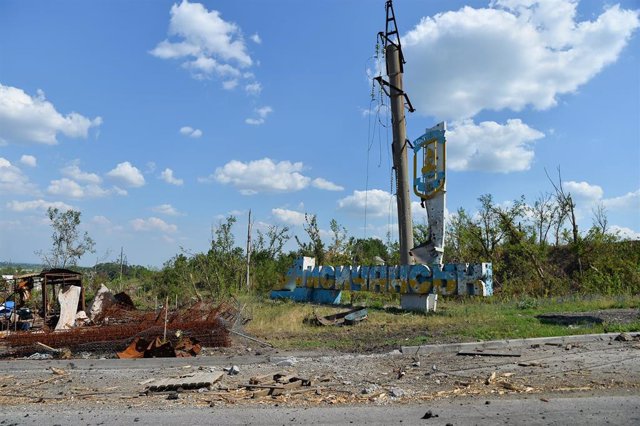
[515, 54]
[69, 188]
[153, 224]
[167, 176]
[101, 220]
[253, 88]
[262, 114]
[261, 176]
[491, 147]
[204, 41]
[127, 174]
[631, 200]
[167, 210]
[191, 132]
[73, 171]
[376, 202]
[13, 181]
[21, 206]
[230, 84]
[25, 119]
[624, 233]
[29, 160]
[583, 190]
[321, 183]
[256, 39]
[290, 217]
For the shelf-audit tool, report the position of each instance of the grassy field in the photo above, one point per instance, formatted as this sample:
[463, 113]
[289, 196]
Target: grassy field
[287, 325]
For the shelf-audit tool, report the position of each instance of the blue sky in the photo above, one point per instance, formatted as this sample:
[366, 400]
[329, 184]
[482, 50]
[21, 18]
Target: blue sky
[156, 119]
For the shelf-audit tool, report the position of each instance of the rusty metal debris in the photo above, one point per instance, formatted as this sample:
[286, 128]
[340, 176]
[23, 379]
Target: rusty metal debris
[117, 326]
[157, 348]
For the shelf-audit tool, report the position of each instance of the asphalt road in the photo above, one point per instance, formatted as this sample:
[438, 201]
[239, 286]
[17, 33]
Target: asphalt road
[585, 410]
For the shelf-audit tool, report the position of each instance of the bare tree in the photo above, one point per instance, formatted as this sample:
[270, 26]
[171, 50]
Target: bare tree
[600, 220]
[567, 206]
[544, 212]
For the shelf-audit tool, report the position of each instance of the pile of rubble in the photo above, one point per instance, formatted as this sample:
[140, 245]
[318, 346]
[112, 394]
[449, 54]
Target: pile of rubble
[113, 324]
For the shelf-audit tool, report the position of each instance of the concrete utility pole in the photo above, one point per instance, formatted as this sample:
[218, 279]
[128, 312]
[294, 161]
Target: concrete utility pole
[399, 149]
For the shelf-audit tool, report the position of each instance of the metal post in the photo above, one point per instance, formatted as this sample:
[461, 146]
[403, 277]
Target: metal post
[400, 155]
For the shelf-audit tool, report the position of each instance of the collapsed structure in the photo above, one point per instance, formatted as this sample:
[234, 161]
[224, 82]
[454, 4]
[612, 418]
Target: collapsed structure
[113, 322]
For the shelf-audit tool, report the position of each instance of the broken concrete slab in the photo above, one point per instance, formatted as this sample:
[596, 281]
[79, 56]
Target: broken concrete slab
[195, 381]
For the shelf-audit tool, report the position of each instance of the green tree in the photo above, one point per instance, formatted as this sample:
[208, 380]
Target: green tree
[68, 244]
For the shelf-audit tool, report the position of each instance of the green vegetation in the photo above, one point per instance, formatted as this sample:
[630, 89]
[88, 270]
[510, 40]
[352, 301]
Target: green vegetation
[458, 319]
[542, 263]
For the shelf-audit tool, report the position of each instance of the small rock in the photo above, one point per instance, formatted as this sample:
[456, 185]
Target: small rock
[173, 396]
[437, 381]
[288, 362]
[233, 370]
[433, 367]
[568, 347]
[623, 337]
[428, 415]
[416, 364]
[396, 392]
[369, 390]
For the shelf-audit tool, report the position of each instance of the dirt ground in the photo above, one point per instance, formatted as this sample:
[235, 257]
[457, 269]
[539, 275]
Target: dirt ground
[609, 366]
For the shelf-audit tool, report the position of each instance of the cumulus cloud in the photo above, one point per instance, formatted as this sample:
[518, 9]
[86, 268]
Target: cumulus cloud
[256, 39]
[263, 175]
[34, 120]
[167, 210]
[230, 84]
[253, 88]
[624, 232]
[631, 200]
[167, 176]
[321, 183]
[127, 174]
[21, 206]
[491, 147]
[206, 44]
[514, 54]
[13, 180]
[29, 160]
[101, 220]
[74, 172]
[375, 202]
[290, 217]
[69, 188]
[153, 224]
[583, 190]
[261, 114]
[191, 132]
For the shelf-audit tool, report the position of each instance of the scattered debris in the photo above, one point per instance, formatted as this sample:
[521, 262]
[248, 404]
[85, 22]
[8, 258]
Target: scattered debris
[192, 381]
[490, 379]
[58, 371]
[287, 362]
[623, 337]
[497, 354]
[350, 317]
[232, 371]
[530, 364]
[428, 415]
